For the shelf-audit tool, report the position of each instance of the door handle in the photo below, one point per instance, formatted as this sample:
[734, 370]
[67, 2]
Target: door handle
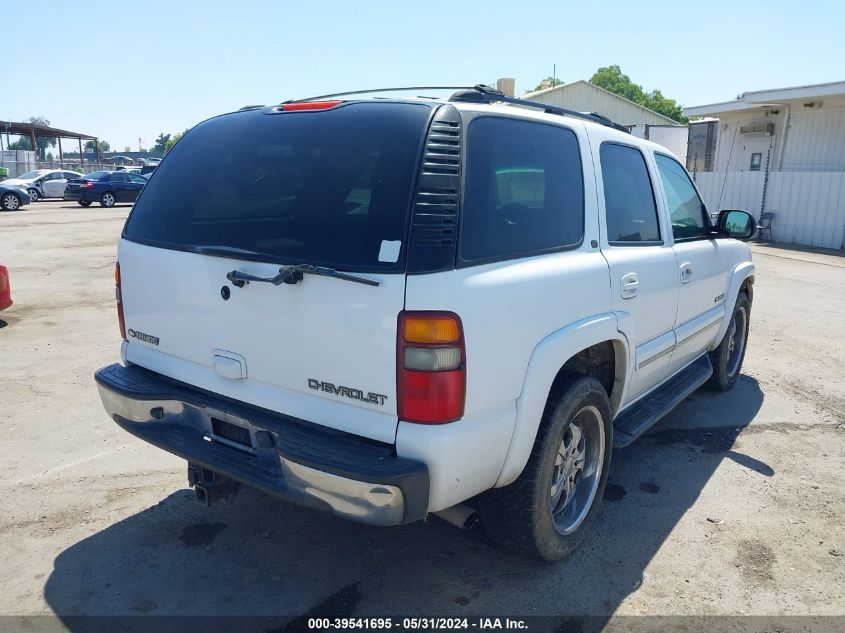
[686, 273]
[630, 285]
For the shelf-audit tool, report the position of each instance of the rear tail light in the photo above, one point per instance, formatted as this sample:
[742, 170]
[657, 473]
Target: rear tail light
[119, 298]
[310, 105]
[430, 367]
[86, 185]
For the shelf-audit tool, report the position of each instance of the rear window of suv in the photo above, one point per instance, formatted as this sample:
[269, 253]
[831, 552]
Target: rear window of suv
[329, 187]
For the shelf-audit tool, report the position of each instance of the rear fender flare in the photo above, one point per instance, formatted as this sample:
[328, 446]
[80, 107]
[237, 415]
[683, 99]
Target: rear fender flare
[546, 360]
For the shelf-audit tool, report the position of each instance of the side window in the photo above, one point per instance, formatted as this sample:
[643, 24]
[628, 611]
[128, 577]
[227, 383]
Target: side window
[628, 197]
[523, 190]
[688, 213]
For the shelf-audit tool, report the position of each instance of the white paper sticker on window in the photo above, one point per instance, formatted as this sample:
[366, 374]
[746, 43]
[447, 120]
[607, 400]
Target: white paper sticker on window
[389, 251]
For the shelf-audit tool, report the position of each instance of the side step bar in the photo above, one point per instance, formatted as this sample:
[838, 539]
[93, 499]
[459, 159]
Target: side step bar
[640, 417]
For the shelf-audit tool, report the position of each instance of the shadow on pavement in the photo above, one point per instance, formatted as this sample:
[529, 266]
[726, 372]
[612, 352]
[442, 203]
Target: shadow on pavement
[258, 556]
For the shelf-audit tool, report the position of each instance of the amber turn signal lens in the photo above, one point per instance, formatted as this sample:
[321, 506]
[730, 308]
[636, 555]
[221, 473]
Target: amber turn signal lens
[431, 330]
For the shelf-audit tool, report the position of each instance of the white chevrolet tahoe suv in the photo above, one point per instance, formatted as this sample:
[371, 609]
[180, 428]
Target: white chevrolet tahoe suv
[385, 308]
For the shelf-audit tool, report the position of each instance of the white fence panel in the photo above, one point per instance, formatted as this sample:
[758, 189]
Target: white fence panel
[731, 190]
[809, 207]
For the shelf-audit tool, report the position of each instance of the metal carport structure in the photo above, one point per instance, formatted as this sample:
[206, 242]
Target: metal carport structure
[34, 131]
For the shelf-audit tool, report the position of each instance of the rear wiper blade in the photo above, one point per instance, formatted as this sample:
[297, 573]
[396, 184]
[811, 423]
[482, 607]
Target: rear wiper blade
[225, 251]
[294, 274]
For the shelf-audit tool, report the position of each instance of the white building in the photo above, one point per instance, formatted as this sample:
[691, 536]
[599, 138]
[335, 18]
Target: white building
[582, 96]
[780, 151]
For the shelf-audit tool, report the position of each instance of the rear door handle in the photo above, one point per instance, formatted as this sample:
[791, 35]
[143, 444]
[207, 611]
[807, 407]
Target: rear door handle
[630, 285]
[686, 273]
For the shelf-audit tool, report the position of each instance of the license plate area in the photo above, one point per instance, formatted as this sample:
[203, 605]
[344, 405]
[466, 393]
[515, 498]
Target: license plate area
[230, 432]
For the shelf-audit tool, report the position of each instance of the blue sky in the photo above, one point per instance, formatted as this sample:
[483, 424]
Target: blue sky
[124, 70]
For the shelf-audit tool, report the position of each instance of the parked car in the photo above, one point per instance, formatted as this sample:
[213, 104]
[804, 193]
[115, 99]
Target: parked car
[106, 187]
[44, 183]
[5, 288]
[13, 197]
[385, 309]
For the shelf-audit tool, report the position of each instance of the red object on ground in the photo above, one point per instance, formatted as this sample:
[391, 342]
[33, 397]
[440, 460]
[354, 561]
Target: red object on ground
[5, 289]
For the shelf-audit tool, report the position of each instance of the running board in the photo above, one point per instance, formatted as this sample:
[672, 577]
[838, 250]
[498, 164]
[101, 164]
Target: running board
[640, 417]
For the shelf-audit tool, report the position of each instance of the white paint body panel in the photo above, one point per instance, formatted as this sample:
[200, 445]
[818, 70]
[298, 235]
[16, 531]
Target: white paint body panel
[321, 328]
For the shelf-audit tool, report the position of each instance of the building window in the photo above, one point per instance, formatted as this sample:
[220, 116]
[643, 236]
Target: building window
[756, 159]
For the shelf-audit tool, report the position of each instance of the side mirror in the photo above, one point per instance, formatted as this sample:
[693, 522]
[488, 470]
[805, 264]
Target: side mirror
[735, 224]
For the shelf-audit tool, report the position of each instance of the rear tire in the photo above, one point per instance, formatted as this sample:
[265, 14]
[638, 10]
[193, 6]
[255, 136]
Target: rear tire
[84, 203]
[10, 202]
[107, 200]
[727, 358]
[548, 510]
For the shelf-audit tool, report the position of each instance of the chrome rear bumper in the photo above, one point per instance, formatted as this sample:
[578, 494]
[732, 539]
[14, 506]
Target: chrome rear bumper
[300, 462]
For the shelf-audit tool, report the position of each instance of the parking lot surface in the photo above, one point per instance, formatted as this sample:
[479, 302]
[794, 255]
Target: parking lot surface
[733, 504]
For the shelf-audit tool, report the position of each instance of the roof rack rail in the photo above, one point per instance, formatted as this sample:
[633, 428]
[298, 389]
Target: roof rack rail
[480, 93]
[363, 92]
[491, 95]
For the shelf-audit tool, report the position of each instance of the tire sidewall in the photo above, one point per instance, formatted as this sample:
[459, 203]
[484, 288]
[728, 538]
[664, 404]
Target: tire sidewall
[720, 366]
[102, 200]
[583, 392]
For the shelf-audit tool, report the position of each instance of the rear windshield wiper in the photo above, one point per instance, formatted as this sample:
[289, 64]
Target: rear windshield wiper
[226, 251]
[294, 274]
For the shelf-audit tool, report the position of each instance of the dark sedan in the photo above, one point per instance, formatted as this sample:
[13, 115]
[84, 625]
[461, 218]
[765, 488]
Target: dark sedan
[13, 197]
[106, 187]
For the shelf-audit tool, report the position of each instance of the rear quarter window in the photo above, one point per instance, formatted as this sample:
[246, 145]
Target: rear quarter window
[523, 190]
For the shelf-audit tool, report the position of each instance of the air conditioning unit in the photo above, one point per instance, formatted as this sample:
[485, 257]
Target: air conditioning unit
[758, 129]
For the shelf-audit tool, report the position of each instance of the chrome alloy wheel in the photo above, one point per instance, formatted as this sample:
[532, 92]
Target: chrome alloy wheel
[108, 200]
[10, 202]
[577, 470]
[736, 340]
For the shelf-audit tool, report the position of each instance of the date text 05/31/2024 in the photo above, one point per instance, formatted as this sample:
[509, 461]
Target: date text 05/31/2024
[431, 623]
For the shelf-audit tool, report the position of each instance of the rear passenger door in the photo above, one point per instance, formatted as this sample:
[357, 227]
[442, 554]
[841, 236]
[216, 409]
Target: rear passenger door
[643, 270]
[701, 272]
[120, 184]
[136, 184]
[53, 185]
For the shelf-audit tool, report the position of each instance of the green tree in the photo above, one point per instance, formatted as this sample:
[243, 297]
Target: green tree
[161, 143]
[104, 146]
[42, 142]
[548, 82]
[612, 78]
[22, 143]
[172, 139]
